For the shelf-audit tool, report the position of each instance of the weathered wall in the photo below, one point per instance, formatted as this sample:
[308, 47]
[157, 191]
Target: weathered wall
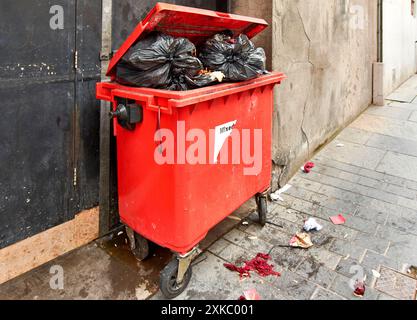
[258, 9]
[327, 49]
[400, 36]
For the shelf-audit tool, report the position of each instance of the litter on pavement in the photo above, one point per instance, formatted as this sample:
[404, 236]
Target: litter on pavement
[234, 218]
[301, 240]
[250, 295]
[276, 196]
[312, 225]
[360, 289]
[376, 274]
[412, 271]
[259, 264]
[308, 167]
[337, 220]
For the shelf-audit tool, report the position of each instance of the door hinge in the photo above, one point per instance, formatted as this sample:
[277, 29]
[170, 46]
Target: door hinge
[74, 178]
[76, 60]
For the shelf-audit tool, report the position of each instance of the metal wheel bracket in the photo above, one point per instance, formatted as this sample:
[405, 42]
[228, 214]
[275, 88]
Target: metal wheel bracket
[184, 262]
[131, 235]
[264, 194]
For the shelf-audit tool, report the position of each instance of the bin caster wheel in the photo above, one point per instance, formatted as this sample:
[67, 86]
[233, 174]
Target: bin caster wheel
[262, 209]
[141, 251]
[138, 245]
[168, 280]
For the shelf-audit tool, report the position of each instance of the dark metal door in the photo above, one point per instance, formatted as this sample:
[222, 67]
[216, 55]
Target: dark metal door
[49, 128]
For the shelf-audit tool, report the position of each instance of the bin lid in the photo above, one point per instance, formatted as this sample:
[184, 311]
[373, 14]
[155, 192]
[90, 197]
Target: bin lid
[192, 23]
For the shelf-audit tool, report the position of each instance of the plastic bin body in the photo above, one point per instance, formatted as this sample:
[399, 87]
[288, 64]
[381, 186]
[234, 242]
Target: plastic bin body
[175, 205]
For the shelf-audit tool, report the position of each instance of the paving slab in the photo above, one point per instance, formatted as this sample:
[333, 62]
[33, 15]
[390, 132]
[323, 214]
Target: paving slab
[410, 83]
[355, 154]
[350, 267]
[390, 112]
[342, 287]
[295, 286]
[388, 143]
[347, 249]
[326, 295]
[387, 126]
[316, 273]
[410, 106]
[403, 95]
[397, 285]
[413, 116]
[399, 165]
[354, 135]
[376, 261]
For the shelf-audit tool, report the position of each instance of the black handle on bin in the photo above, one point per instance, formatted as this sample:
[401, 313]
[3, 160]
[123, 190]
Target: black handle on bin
[121, 113]
[128, 115]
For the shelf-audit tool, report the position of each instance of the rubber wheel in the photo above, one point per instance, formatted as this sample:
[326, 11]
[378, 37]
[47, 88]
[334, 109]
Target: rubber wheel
[262, 209]
[141, 251]
[168, 280]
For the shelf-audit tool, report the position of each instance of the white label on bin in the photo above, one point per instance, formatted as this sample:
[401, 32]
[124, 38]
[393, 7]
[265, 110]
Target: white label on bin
[221, 133]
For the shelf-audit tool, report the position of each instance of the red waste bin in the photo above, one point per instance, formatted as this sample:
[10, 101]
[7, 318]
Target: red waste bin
[186, 160]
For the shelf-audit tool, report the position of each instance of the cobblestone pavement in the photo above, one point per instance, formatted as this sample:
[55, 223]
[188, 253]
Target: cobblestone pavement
[368, 174]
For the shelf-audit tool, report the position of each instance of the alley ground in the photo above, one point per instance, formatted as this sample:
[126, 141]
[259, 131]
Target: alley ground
[368, 174]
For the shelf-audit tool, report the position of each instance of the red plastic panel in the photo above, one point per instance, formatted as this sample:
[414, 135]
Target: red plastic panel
[175, 205]
[164, 99]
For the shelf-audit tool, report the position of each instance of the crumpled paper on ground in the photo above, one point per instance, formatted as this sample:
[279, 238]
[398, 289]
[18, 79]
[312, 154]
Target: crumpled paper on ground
[301, 240]
[276, 196]
[312, 225]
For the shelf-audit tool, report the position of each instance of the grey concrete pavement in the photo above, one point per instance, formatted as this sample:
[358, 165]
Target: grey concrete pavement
[368, 174]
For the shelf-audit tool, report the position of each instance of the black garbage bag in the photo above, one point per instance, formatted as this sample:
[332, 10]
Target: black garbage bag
[238, 58]
[159, 61]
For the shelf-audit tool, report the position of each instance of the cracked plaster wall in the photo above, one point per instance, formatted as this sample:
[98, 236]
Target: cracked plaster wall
[326, 48]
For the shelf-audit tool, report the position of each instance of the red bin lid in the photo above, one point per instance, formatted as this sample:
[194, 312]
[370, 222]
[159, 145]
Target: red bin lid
[192, 23]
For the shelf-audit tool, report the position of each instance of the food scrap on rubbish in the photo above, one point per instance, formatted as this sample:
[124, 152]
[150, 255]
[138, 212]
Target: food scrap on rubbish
[259, 264]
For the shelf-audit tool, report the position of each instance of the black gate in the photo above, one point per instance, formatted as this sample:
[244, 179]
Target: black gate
[49, 127]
